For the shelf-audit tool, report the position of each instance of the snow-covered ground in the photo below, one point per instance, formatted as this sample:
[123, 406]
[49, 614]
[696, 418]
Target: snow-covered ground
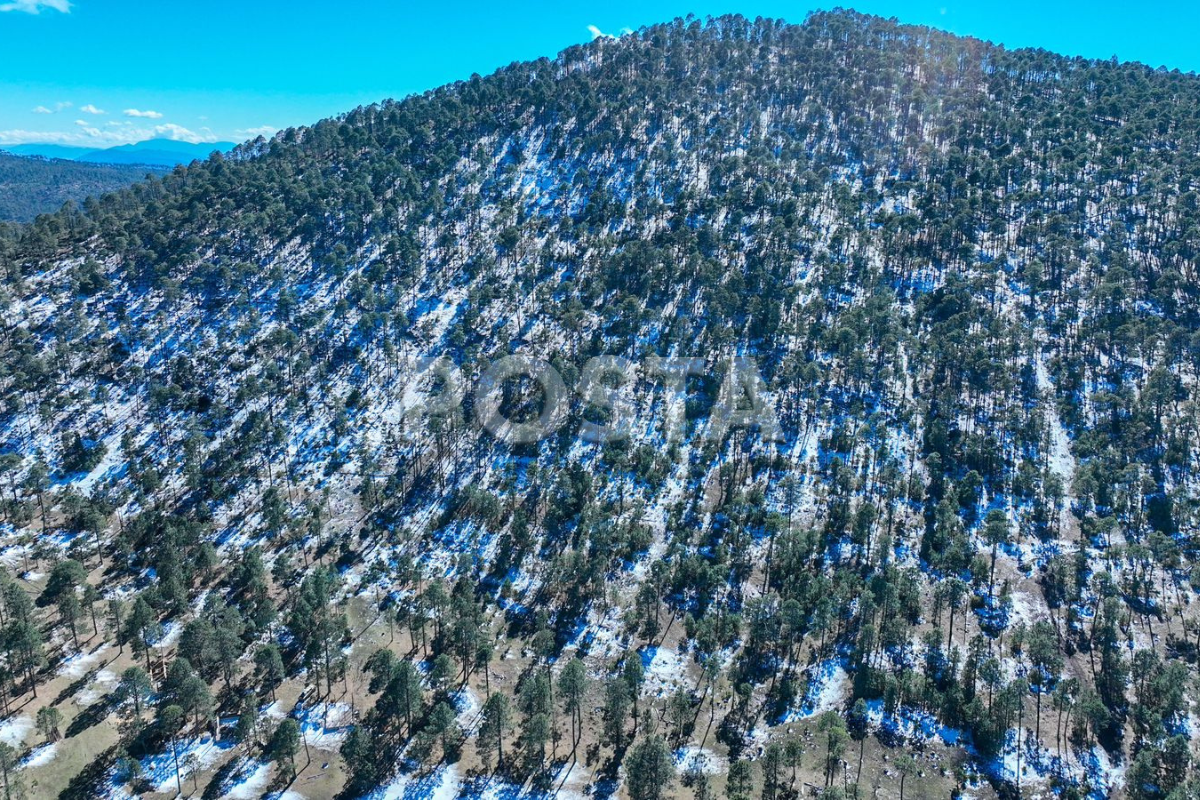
[469, 707]
[79, 664]
[14, 730]
[443, 783]
[251, 782]
[828, 688]
[41, 756]
[198, 753]
[665, 671]
[104, 682]
[324, 725]
[696, 759]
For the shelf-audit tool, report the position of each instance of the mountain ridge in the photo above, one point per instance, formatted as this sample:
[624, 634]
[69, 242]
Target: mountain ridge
[151, 152]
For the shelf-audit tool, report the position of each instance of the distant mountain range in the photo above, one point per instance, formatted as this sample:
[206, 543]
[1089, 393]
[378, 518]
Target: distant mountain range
[152, 152]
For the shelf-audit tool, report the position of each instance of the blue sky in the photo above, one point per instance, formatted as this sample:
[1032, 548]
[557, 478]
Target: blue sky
[102, 72]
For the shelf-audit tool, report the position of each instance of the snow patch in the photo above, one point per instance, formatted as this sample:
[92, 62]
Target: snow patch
[41, 756]
[14, 730]
[442, 784]
[251, 784]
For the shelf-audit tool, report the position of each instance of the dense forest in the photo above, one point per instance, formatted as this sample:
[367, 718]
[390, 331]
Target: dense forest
[32, 186]
[241, 560]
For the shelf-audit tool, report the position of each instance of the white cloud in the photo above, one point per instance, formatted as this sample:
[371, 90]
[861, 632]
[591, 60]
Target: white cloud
[254, 133]
[133, 112]
[87, 134]
[26, 137]
[36, 6]
[57, 108]
[44, 137]
[182, 134]
[599, 34]
[91, 109]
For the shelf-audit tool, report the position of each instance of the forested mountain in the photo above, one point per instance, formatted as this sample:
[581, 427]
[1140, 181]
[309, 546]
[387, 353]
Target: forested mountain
[240, 561]
[32, 186]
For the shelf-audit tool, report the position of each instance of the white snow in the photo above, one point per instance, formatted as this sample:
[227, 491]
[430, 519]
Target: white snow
[1025, 608]
[251, 785]
[170, 635]
[468, 706]
[104, 683]
[41, 756]
[80, 664]
[828, 686]
[322, 728]
[700, 759]
[665, 672]
[443, 784]
[159, 769]
[1061, 462]
[14, 730]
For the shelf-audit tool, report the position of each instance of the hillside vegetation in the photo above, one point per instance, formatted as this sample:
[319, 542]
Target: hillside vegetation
[32, 186]
[241, 559]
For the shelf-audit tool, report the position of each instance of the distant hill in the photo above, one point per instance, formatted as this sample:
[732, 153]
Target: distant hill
[30, 185]
[164, 152]
[47, 150]
[156, 152]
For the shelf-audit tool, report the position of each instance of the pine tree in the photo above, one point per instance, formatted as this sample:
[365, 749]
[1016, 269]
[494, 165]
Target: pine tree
[284, 744]
[834, 728]
[616, 708]
[10, 773]
[739, 783]
[493, 727]
[572, 686]
[649, 769]
[135, 688]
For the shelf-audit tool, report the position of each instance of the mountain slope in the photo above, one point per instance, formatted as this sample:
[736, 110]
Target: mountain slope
[967, 276]
[32, 186]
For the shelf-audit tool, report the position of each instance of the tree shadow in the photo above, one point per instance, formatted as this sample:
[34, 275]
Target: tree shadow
[91, 716]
